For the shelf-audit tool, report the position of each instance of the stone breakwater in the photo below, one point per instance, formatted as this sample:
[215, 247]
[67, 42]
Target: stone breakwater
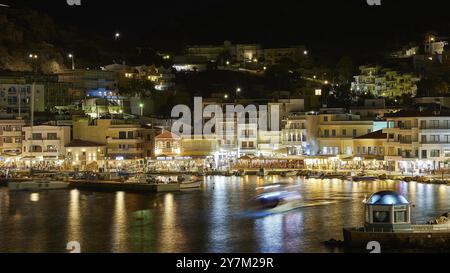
[444, 219]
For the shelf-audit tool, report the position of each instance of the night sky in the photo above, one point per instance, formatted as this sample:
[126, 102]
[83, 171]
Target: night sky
[330, 27]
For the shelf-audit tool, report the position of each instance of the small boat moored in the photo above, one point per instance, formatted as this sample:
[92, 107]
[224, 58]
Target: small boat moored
[189, 182]
[362, 177]
[37, 185]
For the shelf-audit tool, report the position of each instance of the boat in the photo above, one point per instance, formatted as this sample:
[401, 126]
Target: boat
[276, 202]
[315, 176]
[276, 198]
[395, 232]
[362, 177]
[37, 185]
[189, 182]
[288, 174]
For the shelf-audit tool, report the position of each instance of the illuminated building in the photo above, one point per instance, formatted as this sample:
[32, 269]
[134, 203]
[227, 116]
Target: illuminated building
[124, 139]
[45, 143]
[11, 137]
[167, 144]
[84, 154]
[418, 139]
[383, 82]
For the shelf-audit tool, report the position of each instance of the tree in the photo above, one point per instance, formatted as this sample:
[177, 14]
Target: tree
[431, 87]
[345, 70]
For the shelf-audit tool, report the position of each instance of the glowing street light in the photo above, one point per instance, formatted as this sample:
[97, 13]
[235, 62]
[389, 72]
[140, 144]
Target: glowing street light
[33, 56]
[141, 105]
[117, 35]
[238, 89]
[305, 52]
[226, 96]
[326, 82]
[72, 58]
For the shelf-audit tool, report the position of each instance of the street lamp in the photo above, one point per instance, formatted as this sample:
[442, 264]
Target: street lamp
[72, 57]
[226, 96]
[117, 35]
[305, 52]
[142, 109]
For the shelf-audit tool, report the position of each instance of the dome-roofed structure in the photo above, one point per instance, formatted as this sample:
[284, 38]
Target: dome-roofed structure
[387, 198]
[387, 211]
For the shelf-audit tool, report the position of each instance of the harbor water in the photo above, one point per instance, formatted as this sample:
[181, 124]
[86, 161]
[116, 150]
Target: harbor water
[213, 219]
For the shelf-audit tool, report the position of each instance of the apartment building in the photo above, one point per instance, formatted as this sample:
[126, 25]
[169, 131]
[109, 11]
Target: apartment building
[383, 82]
[418, 139]
[45, 143]
[124, 139]
[11, 137]
[336, 133]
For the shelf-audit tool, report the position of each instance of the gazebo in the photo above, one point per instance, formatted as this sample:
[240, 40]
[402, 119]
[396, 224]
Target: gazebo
[387, 211]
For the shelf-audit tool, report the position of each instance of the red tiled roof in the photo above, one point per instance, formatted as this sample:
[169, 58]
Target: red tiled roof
[167, 135]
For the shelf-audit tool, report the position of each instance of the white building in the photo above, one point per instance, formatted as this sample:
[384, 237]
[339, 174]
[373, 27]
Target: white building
[80, 153]
[15, 96]
[11, 137]
[383, 82]
[45, 143]
[418, 139]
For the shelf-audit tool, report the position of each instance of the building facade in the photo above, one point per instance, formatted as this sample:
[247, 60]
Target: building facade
[123, 139]
[11, 137]
[45, 143]
[418, 140]
[382, 82]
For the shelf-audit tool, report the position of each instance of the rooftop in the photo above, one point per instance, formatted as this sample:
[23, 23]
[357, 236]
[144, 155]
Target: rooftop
[167, 135]
[421, 110]
[387, 198]
[374, 135]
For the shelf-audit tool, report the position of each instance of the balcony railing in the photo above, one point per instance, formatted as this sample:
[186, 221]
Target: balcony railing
[435, 142]
[435, 128]
[42, 139]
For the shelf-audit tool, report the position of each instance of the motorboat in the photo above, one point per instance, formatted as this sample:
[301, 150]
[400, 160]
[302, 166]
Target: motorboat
[189, 182]
[137, 179]
[276, 198]
[276, 201]
[315, 176]
[288, 174]
[362, 177]
[37, 185]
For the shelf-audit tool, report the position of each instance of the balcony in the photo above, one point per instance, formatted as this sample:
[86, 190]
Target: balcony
[125, 140]
[126, 151]
[43, 139]
[435, 142]
[12, 133]
[435, 128]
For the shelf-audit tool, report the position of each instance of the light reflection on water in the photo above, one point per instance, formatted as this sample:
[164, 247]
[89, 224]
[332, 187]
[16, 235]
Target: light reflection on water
[213, 219]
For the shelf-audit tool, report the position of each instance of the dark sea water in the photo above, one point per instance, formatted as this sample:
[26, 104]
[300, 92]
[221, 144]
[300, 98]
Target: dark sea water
[213, 219]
